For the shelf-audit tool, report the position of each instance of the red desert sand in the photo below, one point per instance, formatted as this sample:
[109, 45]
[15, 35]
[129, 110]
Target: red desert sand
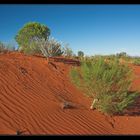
[33, 95]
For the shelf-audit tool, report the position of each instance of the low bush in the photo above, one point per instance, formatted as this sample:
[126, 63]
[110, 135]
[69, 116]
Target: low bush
[136, 61]
[6, 47]
[31, 50]
[107, 83]
[47, 48]
[67, 51]
[2, 47]
[50, 48]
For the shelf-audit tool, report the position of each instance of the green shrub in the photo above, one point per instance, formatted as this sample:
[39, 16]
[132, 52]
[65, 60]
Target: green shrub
[109, 83]
[75, 77]
[2, 47]
[6, 47]
[136, 61]
[34, 48]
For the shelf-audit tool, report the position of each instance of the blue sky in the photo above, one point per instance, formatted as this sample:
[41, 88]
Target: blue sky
[94, 29]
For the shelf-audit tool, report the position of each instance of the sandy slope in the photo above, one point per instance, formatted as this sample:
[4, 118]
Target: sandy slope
[32, 93]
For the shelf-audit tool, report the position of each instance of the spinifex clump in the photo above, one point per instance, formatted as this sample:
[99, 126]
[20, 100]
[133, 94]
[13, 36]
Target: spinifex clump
[108, 83]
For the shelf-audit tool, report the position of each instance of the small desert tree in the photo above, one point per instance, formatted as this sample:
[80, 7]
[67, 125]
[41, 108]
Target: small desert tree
[31, 32]
[80, 53]
[121, 54]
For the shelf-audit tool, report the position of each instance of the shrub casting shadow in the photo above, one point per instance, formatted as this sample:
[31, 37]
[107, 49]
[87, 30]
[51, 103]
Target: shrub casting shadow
[132, 110]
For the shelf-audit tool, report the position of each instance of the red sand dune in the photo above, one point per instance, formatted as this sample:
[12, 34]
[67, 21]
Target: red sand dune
[32, 93]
